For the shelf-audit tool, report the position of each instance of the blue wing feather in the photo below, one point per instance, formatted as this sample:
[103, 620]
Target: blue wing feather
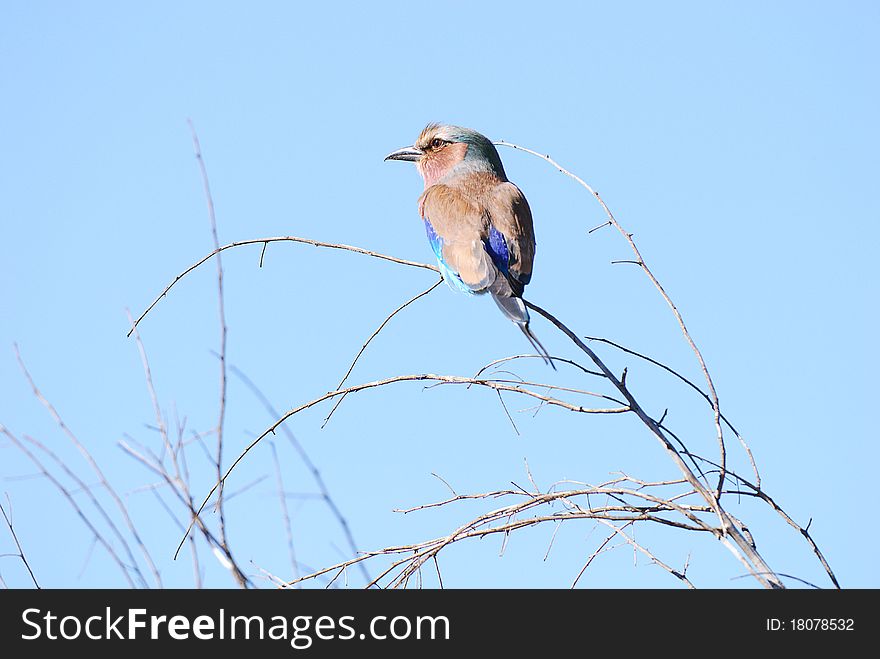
[450, 277]
[496, 245]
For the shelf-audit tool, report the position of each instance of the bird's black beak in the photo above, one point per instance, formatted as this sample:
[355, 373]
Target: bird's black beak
[409, 153]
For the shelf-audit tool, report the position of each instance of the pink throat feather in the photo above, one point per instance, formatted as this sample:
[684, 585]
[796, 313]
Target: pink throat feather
[435, 166]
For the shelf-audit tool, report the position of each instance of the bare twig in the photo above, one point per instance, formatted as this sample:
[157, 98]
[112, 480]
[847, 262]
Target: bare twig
[804, 531]
[220, 551]
[787, 576]
[123, 510]
[558, 360]
[598, 549]
[310, 465]
[99, 538]
[439, 576]
[194, 550]
[275, 239]
[17, 543]
[507, 412]
[221, 414]
[672, 371]
[373, 336]
[285, 513]
[85, 489]
[675, 573]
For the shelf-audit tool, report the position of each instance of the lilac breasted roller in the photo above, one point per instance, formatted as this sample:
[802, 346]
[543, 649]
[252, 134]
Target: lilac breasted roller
[478, 223]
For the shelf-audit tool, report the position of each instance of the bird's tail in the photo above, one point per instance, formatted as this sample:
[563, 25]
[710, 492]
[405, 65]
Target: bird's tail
[515, 309]
[537, 345]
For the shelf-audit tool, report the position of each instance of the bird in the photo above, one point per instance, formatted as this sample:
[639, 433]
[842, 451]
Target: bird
[478, 223]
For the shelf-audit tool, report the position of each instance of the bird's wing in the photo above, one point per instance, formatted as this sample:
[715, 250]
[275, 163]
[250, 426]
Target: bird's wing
[511, 217]
[458, 230]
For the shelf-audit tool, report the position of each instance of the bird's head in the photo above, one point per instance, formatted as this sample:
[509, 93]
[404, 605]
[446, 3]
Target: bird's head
[441, 149]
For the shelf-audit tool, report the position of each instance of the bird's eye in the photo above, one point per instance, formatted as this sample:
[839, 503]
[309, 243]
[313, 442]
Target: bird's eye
[436, 143]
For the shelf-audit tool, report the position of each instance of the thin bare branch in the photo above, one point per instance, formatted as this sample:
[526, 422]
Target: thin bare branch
[373, 336]
[285, 513]
[310, 465]
[17, 543]
[221, 414]
[558, 360]
[804, 531]
[86, 489]
[675, 573]
[507, 412]
[757, 492]
[693, 386]
[99, 538]
[120, 504]
[276, 239]
[598, 549]
[220, 551]
[194, 550]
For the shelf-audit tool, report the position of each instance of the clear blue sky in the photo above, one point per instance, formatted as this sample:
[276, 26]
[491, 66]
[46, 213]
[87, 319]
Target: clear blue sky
[738, 143]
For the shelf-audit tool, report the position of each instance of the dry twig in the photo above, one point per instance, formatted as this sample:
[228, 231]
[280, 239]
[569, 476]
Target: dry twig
[20, 553]
[275, 239]
[221, 414]
[324, 493]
